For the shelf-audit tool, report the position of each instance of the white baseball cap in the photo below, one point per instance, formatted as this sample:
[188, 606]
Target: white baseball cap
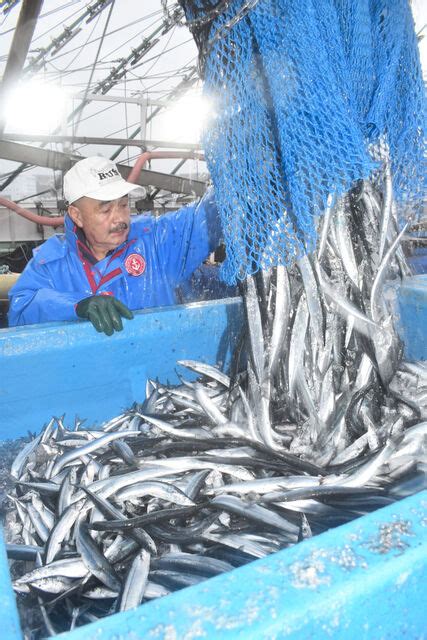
[97, 178]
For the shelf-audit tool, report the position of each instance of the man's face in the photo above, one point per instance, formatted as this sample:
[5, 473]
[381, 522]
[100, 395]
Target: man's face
[105, 224]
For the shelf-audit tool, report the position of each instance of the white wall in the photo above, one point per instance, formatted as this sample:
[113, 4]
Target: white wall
[15, 228]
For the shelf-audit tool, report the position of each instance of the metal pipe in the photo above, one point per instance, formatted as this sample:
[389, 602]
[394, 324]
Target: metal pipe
[148, 155]
[30, 215]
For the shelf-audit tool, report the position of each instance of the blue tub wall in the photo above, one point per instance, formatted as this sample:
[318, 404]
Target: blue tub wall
[418, 259]
[412, 309]
[10, 626]
[51, 369]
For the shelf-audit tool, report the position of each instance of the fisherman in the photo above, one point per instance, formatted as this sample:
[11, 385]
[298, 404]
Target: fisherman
[105, 266]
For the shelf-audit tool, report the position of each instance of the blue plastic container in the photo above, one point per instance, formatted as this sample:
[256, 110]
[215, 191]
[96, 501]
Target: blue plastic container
[413, 316]
[50, 369]
[363, 580]
[418, 260]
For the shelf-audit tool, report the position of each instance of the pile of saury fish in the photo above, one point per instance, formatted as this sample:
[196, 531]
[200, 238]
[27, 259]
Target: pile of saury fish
[319, 421]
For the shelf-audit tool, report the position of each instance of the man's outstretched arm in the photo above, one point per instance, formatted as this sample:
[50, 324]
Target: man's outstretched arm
[186, 237]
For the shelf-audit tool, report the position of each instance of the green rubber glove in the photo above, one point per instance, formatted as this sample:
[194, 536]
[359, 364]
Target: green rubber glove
[104, 312]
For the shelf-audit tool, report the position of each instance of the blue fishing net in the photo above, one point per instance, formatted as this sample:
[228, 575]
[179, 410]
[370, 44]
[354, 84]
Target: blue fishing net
[309, 98]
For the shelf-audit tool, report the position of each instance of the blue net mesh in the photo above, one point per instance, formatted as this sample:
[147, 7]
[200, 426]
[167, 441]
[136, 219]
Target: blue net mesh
[309, 97]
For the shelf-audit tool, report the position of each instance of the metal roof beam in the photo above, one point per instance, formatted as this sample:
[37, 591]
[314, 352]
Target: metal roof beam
[100, 97]
[127, 142]
[63, 161]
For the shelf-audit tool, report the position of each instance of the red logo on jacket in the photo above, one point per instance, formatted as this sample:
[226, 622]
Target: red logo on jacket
[135, 264]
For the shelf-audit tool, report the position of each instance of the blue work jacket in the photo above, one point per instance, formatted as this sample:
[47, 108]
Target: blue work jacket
[158, 255]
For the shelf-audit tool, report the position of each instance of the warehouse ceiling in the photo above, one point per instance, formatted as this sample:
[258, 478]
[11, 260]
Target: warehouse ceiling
[77, 73]
[85, 75]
